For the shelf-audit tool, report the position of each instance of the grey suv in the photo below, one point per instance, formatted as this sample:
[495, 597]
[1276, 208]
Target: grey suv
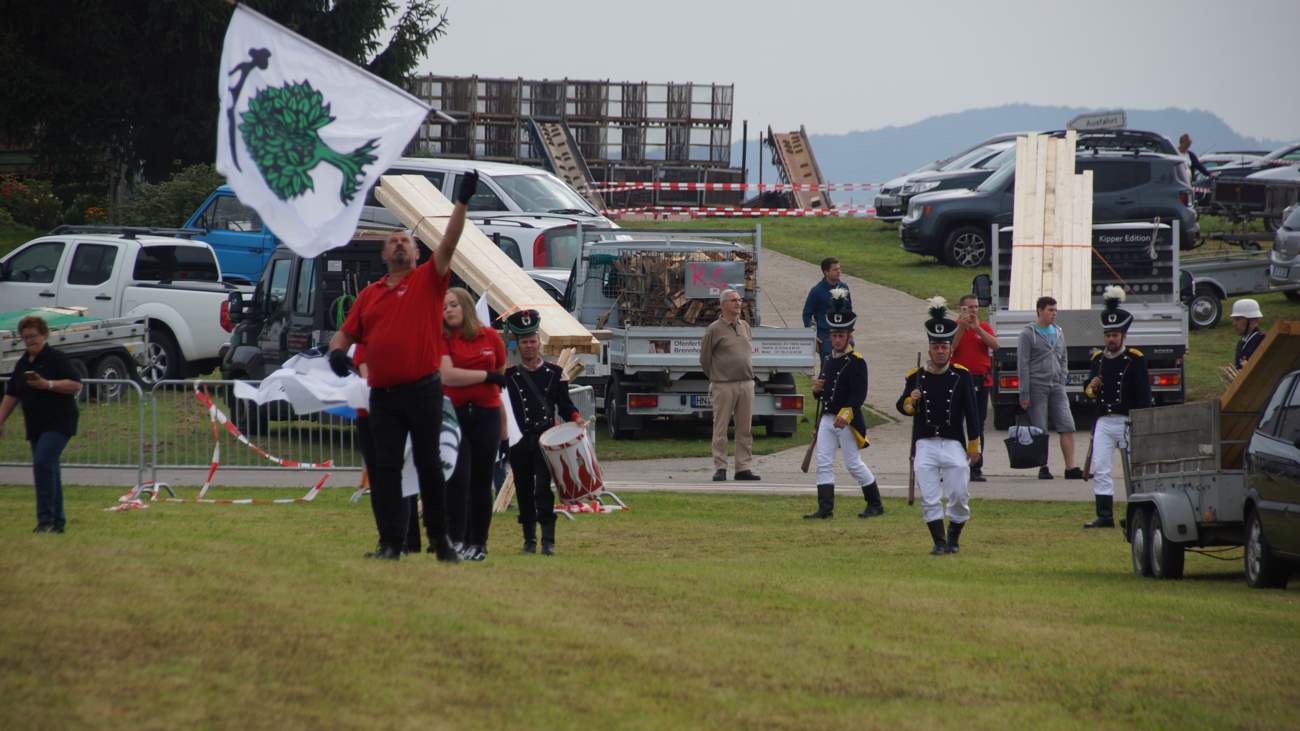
[954, 225]
[890, 205]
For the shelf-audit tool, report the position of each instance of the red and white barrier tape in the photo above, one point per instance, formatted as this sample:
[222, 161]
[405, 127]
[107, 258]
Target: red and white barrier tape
[731, 212]
[623, 186]
[589, 506]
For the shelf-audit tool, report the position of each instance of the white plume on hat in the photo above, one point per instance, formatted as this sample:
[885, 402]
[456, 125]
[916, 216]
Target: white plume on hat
[1114, 292]
[839, 293]
[938, 306]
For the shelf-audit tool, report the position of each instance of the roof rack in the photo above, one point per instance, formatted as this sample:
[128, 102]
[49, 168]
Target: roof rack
[1123, 140]
[128, 232]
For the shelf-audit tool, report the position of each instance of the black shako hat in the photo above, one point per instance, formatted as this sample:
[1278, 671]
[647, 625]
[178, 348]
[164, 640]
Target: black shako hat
[1113, 319]
[840, 318]
[939, 329]
[523, 322]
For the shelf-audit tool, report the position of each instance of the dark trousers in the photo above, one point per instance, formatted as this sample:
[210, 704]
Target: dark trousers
[982, 404]
[49, 482]
[469, 495]
[532, 482]
[366, 443]
[414, 410]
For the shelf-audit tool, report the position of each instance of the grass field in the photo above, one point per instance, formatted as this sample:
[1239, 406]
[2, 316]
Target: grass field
[686, 612]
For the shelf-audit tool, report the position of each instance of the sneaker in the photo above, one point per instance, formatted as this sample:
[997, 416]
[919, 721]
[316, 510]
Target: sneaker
[1074, 473]
[1044, 473]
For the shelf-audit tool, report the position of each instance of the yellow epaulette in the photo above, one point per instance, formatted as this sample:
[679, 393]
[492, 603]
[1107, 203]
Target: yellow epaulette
[857, 355]
[961, 367]
[911, 372]
[1135, 351]
[1096, 354]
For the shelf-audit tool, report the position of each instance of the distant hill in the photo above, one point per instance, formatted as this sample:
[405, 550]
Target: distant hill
[877, 155]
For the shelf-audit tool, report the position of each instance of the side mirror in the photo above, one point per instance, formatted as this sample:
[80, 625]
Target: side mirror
[982, 286]
[235, 306]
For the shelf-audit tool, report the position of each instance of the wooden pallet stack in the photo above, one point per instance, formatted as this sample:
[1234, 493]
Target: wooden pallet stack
[483, 266]
[652, 288]
[1246, 396]
[1051, 243]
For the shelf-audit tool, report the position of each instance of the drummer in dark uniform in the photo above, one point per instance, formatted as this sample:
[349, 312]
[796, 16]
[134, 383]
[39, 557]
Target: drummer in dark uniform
[1117, 383]
[940, 396]
[537, 391]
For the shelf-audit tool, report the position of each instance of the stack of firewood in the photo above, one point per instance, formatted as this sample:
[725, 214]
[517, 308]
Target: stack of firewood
[652, 288]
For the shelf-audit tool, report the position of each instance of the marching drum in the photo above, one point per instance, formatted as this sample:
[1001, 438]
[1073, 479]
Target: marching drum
[572, 460]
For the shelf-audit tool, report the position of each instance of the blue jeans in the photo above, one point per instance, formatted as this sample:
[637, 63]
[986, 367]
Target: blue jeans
[49, 484]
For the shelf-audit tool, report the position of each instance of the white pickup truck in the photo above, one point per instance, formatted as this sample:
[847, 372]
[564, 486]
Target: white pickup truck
[125, 272]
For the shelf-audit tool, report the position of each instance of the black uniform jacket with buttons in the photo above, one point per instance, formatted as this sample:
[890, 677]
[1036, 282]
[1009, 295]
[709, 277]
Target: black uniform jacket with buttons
[1246, 347]
[532, 415]
[947, 408]
[1124, 382]
[45, 410]
[844, 389]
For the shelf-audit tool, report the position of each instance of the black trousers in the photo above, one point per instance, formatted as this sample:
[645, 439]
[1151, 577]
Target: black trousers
[469, 495]
[982, 402]
[416, 410]
[366, 443]
[532, 482]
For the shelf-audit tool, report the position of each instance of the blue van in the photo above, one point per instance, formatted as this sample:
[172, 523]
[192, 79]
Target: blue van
[235, 231]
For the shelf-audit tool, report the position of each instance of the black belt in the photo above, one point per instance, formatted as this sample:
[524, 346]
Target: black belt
[428, 380]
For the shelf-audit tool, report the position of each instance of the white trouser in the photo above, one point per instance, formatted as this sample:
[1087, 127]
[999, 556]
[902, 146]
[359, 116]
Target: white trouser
[942, 471]
[1110, 433]
[830, 439]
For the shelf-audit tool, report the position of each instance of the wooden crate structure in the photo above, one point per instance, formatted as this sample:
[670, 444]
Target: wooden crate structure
[652, 288]
[1052, 237]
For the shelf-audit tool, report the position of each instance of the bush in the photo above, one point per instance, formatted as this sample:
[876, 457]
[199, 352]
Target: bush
[170, 203]
[6, 218]
[86, 209]
[30, 202]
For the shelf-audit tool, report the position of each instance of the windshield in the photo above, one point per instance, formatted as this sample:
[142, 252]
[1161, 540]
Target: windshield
[970, 159]
[543, 194]
[1293, 221]
[998, 180]
[997, 161]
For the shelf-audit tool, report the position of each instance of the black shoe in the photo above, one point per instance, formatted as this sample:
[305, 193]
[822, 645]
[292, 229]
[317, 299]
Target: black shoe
[530, 538]
[1044, 473]
[529, 547]
[548, 548]
[747, 475]
[977, 475]
[1074, 473]
[936, 533]
[445, 552]
[874, 507]
[954, 533]
[1105, 512]
[720, 476]
[385, 553]
[548, 539]
[57, 529]
[43, 528]
[825, 503]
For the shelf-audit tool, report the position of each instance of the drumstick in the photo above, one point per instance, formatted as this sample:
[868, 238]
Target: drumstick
[505, 494]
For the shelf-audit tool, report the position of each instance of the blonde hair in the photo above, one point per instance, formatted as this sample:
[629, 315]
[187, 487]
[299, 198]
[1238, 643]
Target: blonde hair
[469, 325]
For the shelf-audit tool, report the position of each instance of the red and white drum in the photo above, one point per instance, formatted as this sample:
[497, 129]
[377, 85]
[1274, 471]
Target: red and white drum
[572, 460]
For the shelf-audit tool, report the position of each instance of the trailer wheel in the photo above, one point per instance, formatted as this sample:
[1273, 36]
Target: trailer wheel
[250, 418]
[1166, 555]
[1263, 569]
[1206, 309]
[83, 372]
[110, 367]
[1140, 542]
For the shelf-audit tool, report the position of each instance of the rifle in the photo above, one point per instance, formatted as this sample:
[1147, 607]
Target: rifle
[911, 456]
[812, 445]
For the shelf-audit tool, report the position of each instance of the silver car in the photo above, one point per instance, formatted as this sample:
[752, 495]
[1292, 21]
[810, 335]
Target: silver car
[1284, 260]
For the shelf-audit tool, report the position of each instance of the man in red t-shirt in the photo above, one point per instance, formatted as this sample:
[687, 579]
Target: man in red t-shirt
[399, 321]
[975, 344]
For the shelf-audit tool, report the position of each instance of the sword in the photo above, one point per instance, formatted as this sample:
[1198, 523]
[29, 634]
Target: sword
[911, 457]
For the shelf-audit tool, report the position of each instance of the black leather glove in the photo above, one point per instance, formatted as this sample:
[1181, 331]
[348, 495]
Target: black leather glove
[468, 185]
[504, 454]
[496, 377]
[340, 363]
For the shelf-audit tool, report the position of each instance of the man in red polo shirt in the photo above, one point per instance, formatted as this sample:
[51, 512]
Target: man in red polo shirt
[399, 321]
[975, 344]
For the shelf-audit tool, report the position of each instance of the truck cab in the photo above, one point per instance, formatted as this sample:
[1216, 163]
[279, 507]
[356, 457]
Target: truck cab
[235, 231]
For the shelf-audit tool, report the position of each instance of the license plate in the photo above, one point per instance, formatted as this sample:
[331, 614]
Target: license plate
[888, 201]
[701, 402]
[1278, 272]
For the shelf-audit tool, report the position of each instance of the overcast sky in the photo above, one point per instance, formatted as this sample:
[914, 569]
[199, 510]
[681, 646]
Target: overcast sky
[842, 66]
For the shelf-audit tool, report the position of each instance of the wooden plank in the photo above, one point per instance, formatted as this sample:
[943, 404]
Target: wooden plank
[1024, 259]
[1245, 397]
[1048, 273]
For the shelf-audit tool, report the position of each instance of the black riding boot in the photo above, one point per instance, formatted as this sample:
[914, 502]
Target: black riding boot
[530, 538]
[936, 532]
[874, 506]
[825, 503]
[1105, 512]
[954, 532]
[548, 539]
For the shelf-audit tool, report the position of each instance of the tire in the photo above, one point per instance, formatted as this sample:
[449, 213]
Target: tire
[164, 358]
[250, 418]
[621, 425]
[1206, 308]
[1263, 569]
[1167, 557]
[967, 246]
[1139, 542]
[1003, 416]
[782, 426]
[110, 367]
[1292, 294]
[79, 368]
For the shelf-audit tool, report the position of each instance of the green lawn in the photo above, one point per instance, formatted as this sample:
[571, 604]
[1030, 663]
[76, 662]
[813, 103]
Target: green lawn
[685, 612]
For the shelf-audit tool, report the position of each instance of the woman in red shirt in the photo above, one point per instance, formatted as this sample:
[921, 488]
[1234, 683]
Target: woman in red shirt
[473, 368]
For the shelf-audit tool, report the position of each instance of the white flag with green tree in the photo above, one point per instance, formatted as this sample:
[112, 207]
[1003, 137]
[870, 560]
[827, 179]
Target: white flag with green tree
[303, 134]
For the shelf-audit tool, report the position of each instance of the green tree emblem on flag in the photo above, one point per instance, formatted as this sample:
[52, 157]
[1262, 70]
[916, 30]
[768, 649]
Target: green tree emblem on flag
[281, 131]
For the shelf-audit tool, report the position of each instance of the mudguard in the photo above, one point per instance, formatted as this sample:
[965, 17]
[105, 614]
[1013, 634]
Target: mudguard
[1176, 513]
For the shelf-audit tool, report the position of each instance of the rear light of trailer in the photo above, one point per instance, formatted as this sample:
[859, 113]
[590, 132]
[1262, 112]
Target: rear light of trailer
[790, 403]
[539, 251]
[226, 324]
[1009, 383]
[1166, 379]
[642, 401]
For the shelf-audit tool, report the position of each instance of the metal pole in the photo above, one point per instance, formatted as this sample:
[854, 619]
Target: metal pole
[744, 154]
[760, 160]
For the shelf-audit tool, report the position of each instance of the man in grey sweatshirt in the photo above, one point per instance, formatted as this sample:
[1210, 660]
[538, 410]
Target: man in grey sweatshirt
[1042, 366]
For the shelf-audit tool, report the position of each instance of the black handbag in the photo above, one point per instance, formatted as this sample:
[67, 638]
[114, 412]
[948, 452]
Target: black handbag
[1027, 456]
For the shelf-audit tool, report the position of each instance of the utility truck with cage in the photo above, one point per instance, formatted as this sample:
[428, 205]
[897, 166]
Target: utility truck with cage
[650, 295]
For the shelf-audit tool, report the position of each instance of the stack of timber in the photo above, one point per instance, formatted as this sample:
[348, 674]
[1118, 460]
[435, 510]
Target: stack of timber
[792, 154]
[1051, 241]
[652, 289]
[478, 261]
[1239, 406]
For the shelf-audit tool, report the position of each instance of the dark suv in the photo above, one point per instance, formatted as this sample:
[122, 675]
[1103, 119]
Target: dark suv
[954, 225]
[1272, 510]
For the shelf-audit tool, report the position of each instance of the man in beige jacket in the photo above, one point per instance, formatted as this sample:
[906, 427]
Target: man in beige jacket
[725, 355]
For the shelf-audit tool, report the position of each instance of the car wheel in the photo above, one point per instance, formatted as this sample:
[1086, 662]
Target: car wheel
[1206, 309]
[967, 246]
[250, 418]
[1263, 569]
[163, 361]
[1139, 542]
[110, 368]
[82, 372]
[617, 419]
[1166, 556]
[1292, 294]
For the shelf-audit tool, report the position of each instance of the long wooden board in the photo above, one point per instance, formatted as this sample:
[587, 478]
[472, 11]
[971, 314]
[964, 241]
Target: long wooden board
[1245, 397]
[1051, 241]
[478, 261]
